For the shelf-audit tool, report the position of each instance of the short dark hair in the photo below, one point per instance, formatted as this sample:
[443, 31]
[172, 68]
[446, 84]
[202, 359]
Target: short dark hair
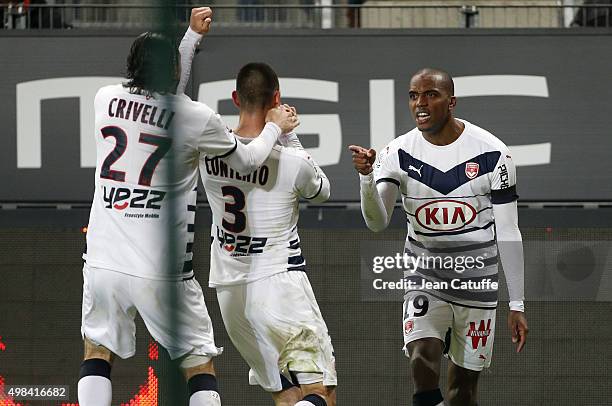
[447, 79]
[255, 85]
[152, 64]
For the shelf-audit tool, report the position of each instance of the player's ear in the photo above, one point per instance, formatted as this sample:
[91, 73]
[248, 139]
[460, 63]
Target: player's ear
[277, 98]
[235, 99]
[453, 103]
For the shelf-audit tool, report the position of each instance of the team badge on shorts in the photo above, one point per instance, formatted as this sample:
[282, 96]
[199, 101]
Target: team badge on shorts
[408, 326]
[471, 170]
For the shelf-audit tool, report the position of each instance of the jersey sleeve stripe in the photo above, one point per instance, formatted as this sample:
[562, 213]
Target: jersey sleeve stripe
[390, 180]
[318, 191]
[501, 196]
[231, 151]
[296, 260]
[297, 268]
[294, 244]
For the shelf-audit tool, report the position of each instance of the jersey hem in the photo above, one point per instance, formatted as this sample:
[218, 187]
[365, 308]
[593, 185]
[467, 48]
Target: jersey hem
[218, 284]
[106, 267]
[470, 305]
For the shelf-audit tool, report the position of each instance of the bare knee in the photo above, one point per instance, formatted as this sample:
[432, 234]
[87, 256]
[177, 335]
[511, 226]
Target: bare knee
[331, 395]
[317, 389]
[193, 365]
[287, 397]
[93, 350]
[462, 387]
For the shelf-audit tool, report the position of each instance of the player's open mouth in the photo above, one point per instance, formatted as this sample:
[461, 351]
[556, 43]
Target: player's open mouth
[422, 117]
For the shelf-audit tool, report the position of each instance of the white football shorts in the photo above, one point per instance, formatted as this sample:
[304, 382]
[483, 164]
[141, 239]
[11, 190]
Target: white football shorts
[276, 325]
[111, 300]
[468, 343]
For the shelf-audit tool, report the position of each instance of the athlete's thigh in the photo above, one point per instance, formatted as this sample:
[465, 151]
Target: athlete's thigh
[108, 311]
[254, 346]
[425, 316]
[176, 316]
[294, 316]
[280, 318]
[471, 345]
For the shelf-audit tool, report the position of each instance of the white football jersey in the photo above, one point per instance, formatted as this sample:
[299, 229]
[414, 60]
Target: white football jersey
[447, 195]
[148, 149]
[254, 229]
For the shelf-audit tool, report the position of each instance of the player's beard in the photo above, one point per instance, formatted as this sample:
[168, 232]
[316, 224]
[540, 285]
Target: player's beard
[437, 129]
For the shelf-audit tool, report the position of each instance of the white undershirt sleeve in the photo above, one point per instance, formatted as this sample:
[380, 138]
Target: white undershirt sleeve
[187, 49]
[290, 140]
[242, 158]
[217, 140]
[510, 248]
[311, 183]
[247, 158]
[377, 202]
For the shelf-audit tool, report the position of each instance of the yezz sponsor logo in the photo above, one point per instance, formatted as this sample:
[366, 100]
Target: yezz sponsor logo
[445, 215]
[240, 245]
[479, 335]
[471, 169]
[122, 198]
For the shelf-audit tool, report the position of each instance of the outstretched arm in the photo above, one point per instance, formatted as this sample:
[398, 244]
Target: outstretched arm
[377, 200]
[199, 24]
[243, 158]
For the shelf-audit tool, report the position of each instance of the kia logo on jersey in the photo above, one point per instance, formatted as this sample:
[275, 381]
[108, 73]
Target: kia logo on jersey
[445, 215]
[471, 170]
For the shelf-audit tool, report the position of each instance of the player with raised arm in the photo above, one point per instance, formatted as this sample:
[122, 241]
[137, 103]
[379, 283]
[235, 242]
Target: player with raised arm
[458, 187]
[268, 306]
[148, 144]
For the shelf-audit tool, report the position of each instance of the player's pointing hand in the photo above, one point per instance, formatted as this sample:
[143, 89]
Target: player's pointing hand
[363, 159]
[201, 18]
[285, 117]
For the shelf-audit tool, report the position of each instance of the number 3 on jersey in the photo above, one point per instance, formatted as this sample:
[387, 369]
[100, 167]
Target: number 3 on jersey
[146, 173]
[234, 208]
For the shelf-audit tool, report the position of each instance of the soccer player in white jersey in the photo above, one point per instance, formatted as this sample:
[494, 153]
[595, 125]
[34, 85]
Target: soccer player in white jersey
[458, 188]
[266, 301]
[148, 143]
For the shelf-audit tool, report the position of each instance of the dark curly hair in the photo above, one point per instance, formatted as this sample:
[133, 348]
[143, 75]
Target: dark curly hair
[152, 65]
